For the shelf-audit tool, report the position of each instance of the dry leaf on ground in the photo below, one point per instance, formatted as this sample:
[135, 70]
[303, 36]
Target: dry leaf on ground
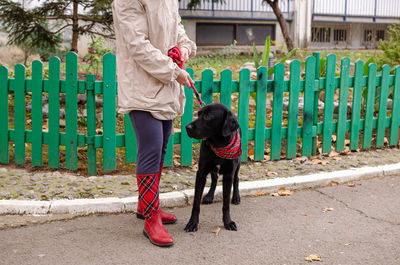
[259, 193]
[351, 184]
[300, 159]
[332, 154]
[216, 230]
[283, 192]
[272, 173]
[337, 158]
[313, 257]
[327, 210]
[274, 194]
[319, 161]
[333, 183]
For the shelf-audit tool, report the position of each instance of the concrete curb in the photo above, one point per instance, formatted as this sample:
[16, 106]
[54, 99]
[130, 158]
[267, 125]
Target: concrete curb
[185, 197]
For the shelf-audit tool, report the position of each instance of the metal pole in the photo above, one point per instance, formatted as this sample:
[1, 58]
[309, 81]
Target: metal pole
[252, 9]
[375, 10]
[345, 10]
[288, 10]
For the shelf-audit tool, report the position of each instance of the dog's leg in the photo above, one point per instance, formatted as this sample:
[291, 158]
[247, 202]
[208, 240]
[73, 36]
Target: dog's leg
[201, 178]
[235, 195]
[226, 190]
[208, 199]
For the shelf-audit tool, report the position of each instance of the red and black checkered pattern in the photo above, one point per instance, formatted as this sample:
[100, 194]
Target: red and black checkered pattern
[232, 151]
[148, 193]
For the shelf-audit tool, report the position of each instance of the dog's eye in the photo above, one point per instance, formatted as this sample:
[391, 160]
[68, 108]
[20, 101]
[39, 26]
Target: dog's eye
[206, 117]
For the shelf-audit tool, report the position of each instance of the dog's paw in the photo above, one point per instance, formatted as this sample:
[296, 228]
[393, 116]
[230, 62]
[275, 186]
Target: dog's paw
[191, 226]
[236, 199]
[207, 199]
[230, 226]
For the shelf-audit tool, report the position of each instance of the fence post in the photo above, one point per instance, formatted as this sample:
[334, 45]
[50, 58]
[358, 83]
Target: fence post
[328, 104]
[4, 115]
[309, 111]
[343, 96]
[91, 124]
[383, 97]
[71, 113]
[37, 113]
[276, 130]
[261, 102]
[109, 112]
[316, 101]
[19, 114]
[369, 108]
[356, 107]
[54, 113]
[395, 123]
[243, 110]
[186, 141]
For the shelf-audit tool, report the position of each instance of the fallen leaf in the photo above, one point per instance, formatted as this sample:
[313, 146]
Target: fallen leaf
[251, 157]
[259, 193]
[332, 154]
[283, 192]
[274, 194]
[99, 131]
[216, 231]
[300, 159]
[272, 173]
[351, 184]
[385, 140]
[333, 183]
[319, 161]
[347, 142]
[337, 158]
[327, 210]
[333, 138]
[313, 257]
[250, 152]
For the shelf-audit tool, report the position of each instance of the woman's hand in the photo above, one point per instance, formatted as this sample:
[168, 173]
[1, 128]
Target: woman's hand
[185, 55]
[184, 79]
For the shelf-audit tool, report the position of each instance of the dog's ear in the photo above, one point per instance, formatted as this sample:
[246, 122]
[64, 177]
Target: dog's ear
[230, 124]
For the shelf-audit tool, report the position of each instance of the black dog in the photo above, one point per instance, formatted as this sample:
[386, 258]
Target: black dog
[217, 126]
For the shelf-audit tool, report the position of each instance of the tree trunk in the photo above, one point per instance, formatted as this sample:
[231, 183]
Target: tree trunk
[75, 28]
[282, 23]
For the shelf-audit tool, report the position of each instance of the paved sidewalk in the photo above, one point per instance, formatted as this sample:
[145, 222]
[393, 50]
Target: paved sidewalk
[255, 177]
[342, 224]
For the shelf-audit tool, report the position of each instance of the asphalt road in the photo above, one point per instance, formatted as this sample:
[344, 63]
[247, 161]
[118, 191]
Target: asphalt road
[362, 227]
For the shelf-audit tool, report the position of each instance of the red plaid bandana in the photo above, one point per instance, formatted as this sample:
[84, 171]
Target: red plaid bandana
[232, 151]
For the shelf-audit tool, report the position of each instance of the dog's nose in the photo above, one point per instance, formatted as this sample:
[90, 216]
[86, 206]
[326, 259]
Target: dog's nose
[190, 127]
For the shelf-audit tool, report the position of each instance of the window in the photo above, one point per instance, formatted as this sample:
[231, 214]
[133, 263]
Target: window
[380, 35]
[339, 35]
[250, 33]
[225, 34]
[368, 35]
[320, 34]
[215, 34]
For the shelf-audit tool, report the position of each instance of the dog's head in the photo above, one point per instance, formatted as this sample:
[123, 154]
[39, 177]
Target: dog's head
[214, 120]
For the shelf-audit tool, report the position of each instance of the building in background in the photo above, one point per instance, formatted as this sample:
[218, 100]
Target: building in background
[351, 24]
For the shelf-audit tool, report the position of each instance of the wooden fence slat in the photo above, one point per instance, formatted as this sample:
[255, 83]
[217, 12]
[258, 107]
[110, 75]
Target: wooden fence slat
[277, 111]
[309, 111]
[19, 114]
[343, 97]
[130, 141]
[37, 113]
[293, 110]
[207, 83]
[109, 112]
[91, 124]
[243, 110]
[54, 112]
[71, 111]
[383, 97]
[328, 107]
[369, 108]
[4, 125]
[187, 117]
[226, 88]
[356, 106]
[261, 102]
[316, 99]
[395, 123]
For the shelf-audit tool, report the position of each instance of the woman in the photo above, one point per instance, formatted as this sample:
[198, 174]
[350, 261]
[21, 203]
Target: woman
[150, 90]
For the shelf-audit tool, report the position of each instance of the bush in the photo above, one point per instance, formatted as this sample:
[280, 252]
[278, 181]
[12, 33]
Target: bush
[391, 46]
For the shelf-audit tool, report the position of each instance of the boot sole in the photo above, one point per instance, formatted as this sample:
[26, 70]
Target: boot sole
[140, 216]
[155, 243]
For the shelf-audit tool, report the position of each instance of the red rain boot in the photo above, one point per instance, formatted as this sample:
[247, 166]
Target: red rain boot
[153, 227]
[155, 231]
[166, 218]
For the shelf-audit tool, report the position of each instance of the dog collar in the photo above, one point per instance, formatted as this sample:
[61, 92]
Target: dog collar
[232, 151]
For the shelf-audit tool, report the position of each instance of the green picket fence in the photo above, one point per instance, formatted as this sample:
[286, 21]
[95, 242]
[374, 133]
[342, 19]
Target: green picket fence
[372, 122]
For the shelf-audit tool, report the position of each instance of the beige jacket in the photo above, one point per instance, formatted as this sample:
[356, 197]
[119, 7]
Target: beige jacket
[145, 30]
